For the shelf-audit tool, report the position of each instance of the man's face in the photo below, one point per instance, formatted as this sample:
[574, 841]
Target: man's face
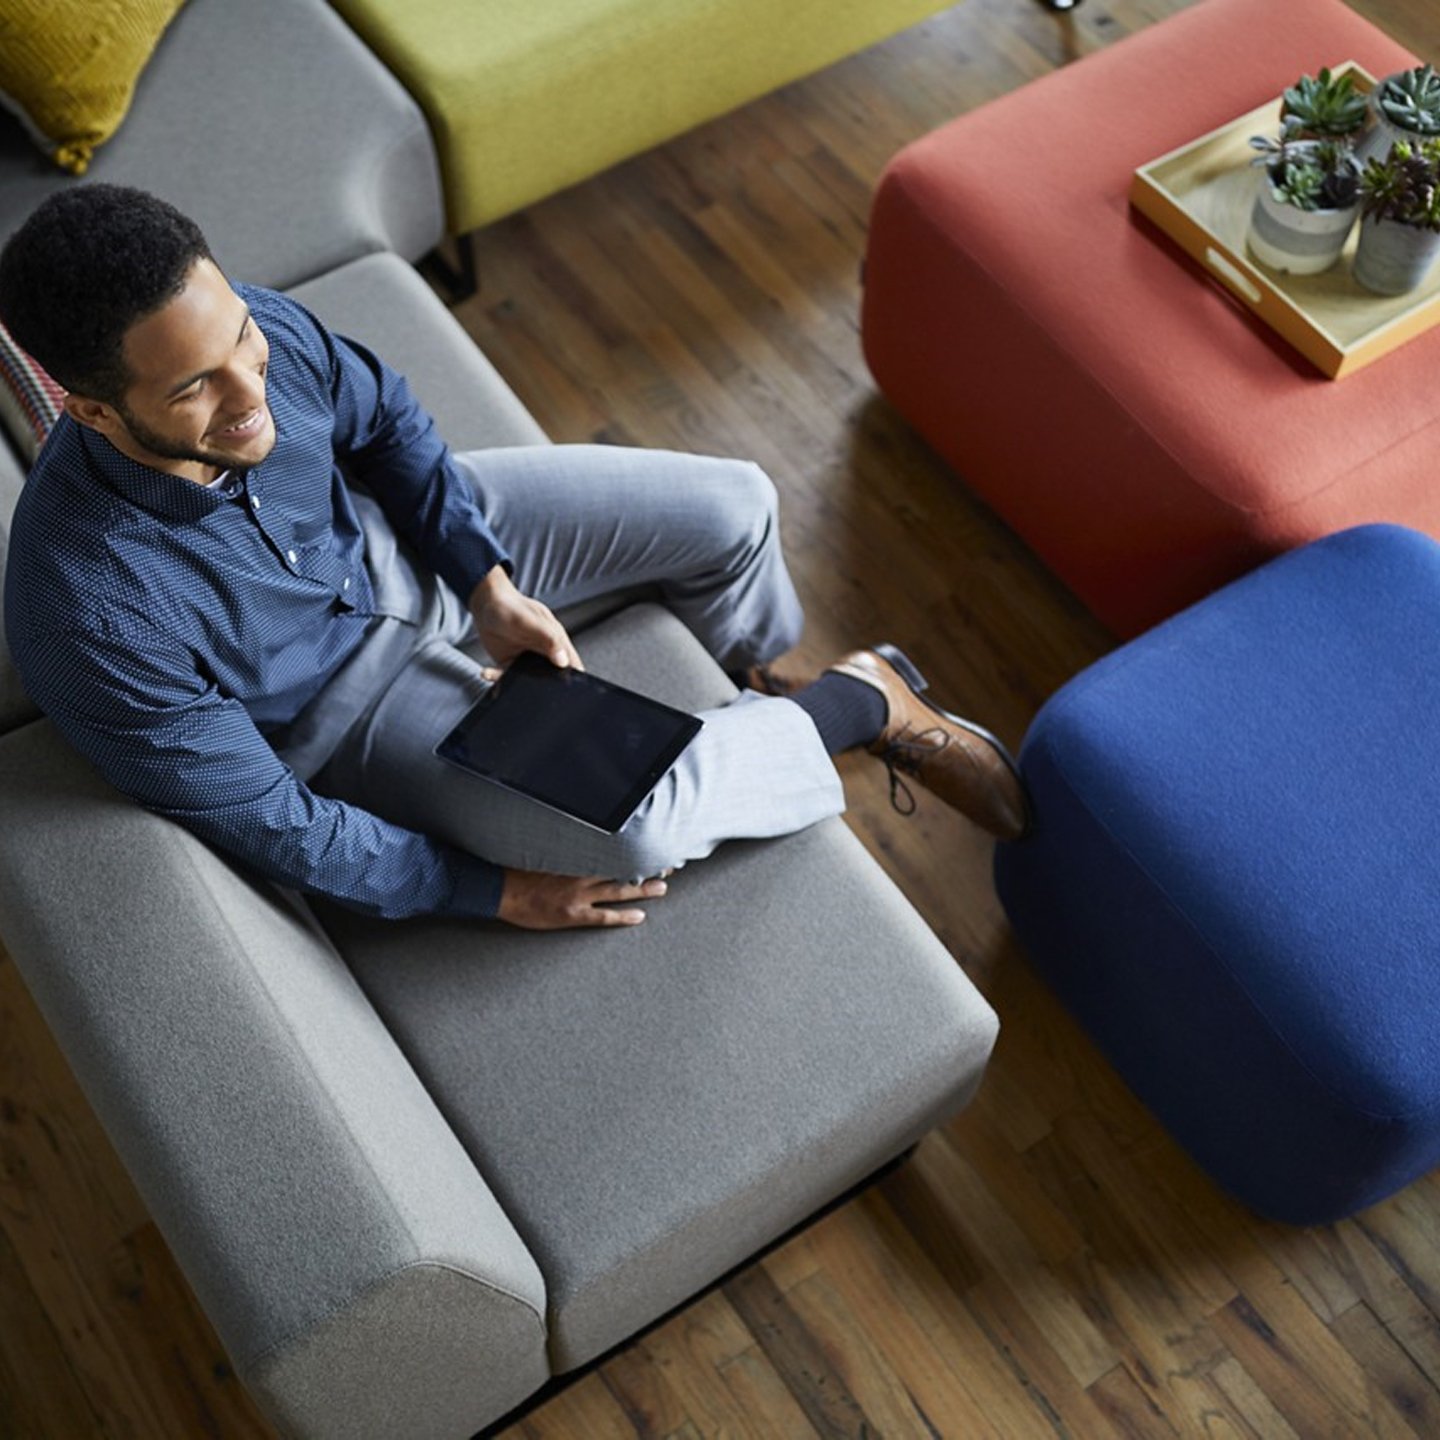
[196, 401]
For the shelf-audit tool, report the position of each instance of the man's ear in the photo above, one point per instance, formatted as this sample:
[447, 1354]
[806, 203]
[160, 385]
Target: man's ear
[94, 413]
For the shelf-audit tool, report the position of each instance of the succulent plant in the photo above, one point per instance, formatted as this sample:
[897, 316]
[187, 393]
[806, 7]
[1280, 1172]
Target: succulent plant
[1410, 100]
[1405, 186]
[1309, 174]
[1323, 105]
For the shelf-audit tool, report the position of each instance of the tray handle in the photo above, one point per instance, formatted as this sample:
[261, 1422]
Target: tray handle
[1232, 277]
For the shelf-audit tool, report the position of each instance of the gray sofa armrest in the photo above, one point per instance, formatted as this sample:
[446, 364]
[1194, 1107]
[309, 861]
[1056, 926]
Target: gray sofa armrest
[354, 1263]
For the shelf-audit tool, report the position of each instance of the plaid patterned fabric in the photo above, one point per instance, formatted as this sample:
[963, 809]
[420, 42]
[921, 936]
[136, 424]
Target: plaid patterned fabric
[29, 399]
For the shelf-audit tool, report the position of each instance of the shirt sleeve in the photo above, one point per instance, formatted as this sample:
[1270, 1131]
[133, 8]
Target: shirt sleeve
[390, 444]
[136, 708]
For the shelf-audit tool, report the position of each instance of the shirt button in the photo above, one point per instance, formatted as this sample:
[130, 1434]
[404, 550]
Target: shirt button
[291, 556]
[346, 585]
[254, 502]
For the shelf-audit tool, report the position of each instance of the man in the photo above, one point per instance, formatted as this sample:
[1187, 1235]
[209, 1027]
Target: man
[206, 593]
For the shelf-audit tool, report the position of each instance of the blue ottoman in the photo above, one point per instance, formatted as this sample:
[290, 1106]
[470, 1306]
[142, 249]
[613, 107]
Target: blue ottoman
[1234, 879]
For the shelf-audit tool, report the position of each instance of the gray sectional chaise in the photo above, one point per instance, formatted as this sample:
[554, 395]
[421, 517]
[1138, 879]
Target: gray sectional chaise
[413, 1171]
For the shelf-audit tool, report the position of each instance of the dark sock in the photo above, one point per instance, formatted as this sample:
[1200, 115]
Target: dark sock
[846, 712]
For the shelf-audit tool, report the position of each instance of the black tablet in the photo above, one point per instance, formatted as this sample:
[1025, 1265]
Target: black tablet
[570, 740]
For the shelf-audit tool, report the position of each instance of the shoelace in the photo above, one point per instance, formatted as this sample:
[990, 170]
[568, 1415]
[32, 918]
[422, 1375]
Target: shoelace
[906, 754]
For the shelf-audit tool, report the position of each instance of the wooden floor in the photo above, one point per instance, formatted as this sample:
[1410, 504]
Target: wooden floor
[1048, 1264]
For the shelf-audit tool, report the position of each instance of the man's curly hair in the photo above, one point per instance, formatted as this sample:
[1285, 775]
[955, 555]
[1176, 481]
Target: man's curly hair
[87, 264]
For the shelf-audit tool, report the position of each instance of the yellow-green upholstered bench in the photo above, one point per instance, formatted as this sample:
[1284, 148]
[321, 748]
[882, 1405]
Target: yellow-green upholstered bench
[525, 97]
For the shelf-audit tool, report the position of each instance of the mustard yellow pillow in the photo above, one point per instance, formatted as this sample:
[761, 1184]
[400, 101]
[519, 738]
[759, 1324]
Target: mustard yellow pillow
[68, 68]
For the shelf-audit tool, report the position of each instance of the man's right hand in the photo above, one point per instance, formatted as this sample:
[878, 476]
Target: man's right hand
[534, 900]
[508, 622]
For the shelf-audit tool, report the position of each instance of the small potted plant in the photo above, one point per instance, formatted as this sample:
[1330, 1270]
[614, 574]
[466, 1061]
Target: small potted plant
[1407, 107]
[1324, 107]
[1306, 203]
[1400, 218]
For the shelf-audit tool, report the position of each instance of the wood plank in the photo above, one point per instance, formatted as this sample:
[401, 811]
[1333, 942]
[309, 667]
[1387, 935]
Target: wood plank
[762, 1394]
[1000, 1241]
[30, 1347]
[689, 1354]
[1301, 1365]
[1062, 1406]
[798, 1358]
[643, 1394]
[164, 1333]
[585, 1408]
[1383, 1360]
[1127, 1409]
[65, 1205]
[1249, 1401]
[889, 1405]
[923, 1327]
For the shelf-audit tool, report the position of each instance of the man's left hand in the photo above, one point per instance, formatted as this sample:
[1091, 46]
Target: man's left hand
[509, 623]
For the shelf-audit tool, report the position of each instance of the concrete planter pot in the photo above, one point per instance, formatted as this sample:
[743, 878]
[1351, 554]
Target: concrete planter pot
[1377, 141]
[1391, 258]
[1302, 242]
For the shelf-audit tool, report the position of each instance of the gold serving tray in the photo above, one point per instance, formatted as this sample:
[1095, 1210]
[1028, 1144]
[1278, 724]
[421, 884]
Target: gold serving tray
[1201, 196]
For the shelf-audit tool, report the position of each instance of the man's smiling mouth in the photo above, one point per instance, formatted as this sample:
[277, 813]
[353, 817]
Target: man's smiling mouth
[251, 425]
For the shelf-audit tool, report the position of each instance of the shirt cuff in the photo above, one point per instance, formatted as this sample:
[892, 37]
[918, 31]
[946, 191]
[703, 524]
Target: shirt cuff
[478, 885]
[469, 559]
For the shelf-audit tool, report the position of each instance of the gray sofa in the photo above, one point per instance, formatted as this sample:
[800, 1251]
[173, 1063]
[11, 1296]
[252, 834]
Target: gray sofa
[413, 1171]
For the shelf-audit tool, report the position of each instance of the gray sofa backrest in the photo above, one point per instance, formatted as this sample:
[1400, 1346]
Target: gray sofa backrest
[270, 124]
[383, 303]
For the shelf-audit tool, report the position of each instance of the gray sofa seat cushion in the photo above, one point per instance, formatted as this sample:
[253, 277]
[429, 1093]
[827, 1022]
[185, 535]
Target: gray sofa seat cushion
[271, 124]
[358, 1271]
[652, 1106]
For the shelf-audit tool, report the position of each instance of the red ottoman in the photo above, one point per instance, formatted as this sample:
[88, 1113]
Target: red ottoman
[1147, 436]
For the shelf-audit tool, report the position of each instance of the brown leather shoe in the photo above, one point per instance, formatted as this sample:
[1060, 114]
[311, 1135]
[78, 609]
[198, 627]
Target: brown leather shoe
[965, 765]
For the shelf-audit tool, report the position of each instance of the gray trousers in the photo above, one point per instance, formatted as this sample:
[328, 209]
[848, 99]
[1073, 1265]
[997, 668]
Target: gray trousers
[581, 522]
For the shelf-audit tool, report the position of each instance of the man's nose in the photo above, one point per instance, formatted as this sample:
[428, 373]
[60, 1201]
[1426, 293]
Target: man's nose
[245, 390]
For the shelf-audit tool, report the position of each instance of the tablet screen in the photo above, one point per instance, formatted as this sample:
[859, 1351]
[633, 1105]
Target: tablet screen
[579, 744]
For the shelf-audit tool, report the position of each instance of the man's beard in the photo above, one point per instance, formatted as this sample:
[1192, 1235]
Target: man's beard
[157, 444]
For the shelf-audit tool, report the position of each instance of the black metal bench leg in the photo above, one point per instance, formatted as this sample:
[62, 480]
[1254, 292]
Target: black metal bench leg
[459, 281]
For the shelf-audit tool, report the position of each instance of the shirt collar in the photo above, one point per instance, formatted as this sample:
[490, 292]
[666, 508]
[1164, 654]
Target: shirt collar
[169, 495]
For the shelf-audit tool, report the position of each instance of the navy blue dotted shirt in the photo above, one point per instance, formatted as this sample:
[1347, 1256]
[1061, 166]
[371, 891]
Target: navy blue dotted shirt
[164, 627]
